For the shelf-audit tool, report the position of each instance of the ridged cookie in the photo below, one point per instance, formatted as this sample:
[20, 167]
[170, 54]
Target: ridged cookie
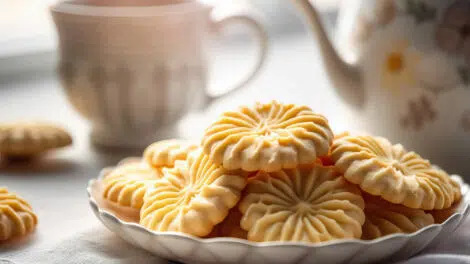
[308, 204]
[24, 139]
[327, 160]
[126, 185]
[192, 197]
[164, 153]
[267, 137]
[16, 216]
[393, 173]
[440, 216]
[384, 218]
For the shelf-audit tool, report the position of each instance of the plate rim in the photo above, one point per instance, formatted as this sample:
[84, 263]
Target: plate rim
[463, 212]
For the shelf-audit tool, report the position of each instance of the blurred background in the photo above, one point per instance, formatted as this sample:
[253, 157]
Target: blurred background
[28, 39]
[293, 70]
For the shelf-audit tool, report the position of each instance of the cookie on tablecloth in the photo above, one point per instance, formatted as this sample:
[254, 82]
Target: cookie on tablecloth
[192, 197]
[164, 153]
[393, 173]
[384, 218]
[17, 218]
[27, 139]
[307, 204]
[267, 137]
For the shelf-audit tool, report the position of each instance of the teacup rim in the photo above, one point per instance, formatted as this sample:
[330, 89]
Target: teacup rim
[68, 7]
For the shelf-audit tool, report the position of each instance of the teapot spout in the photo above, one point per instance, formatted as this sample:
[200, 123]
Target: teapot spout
[346, 78]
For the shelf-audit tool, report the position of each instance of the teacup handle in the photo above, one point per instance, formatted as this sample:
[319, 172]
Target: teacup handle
[250, 19]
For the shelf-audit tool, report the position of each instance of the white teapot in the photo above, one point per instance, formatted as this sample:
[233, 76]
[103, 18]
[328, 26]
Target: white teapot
[405, 69]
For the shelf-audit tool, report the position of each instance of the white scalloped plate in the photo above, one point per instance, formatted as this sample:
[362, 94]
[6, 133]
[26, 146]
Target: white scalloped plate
[189, 249]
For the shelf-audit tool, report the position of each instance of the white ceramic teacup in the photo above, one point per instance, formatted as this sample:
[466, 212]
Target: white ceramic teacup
[135, 67]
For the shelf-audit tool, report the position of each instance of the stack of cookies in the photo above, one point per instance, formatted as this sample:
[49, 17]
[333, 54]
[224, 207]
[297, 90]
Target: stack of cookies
[276, 172]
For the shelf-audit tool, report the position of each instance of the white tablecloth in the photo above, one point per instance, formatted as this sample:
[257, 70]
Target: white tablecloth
[68, 231]
[98, 245]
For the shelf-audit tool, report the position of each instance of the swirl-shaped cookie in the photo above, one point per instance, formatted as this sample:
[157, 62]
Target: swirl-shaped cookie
[327, 160]
[192, 197]
[164, 153]
[384, 218]
[268, 137]
[126, 185]
[30, 138]
[440, 216]
[308, 204]
[390, 171]
[16, 216]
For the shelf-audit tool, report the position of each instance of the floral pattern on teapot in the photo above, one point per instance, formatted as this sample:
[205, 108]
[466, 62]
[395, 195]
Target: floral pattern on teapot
[424, 45]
